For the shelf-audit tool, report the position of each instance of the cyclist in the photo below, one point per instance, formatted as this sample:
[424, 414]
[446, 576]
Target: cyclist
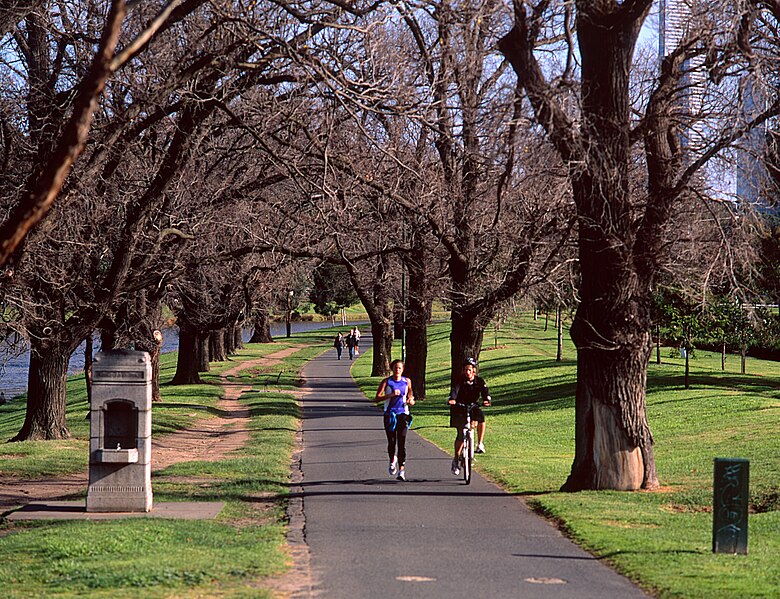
[396, 392]
[469, 388]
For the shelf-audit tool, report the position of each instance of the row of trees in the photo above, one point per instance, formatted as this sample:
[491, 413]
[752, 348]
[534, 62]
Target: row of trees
[475, 151]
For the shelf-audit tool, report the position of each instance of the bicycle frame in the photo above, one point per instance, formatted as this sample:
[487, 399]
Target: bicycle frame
[466, 457]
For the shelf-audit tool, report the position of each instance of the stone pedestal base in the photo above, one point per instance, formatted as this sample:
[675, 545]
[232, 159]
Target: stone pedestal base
[119, 488]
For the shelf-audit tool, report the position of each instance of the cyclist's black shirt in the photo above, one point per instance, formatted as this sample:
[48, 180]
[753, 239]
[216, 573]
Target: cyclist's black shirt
[466, 393]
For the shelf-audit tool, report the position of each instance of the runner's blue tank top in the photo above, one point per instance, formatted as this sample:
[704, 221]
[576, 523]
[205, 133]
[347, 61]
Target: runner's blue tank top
[396, 403]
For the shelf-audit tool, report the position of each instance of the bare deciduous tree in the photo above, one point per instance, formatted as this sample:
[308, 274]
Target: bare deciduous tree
[623, 228]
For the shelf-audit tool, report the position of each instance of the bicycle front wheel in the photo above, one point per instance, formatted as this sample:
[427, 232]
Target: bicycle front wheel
[468, 450]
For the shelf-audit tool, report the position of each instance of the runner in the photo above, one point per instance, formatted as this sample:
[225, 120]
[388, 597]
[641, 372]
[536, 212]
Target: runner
[396, 392]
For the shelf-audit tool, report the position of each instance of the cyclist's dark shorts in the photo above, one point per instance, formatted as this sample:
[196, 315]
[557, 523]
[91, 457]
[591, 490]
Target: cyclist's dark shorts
[458, 417]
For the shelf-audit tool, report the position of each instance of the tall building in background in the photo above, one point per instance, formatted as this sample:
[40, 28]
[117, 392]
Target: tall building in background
[674, 19]
[751, 174]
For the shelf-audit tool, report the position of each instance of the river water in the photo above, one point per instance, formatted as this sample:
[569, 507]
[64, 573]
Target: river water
[13, 370]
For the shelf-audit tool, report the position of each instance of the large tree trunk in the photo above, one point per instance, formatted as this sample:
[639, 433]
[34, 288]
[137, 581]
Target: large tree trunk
[217, 351]
[202, 351]
[417, 316]
[229, 339]
[238, 337]
[145, 332]
[398, 320]
[262, 328]
[382, 333]
[618, 253]
[46, 379]
[612, 437]
[187, 359]
[466, 337]
[416, 357]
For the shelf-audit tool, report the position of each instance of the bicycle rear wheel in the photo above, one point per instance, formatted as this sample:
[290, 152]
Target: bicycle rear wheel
[467, 453]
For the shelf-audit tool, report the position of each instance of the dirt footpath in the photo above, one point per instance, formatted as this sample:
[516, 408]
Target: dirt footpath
[210, 439]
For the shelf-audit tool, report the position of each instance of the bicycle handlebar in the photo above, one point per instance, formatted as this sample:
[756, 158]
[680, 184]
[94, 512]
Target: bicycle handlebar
[469, 406]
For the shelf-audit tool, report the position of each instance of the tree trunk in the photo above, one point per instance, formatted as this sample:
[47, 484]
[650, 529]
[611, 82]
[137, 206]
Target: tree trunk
[618, 261]
[217, 352]
[187, 360]
[687, 366]
[154, 356]
[46, 397]
[466, 337]
[398, 320]
[262, 328]
[202, 351]
[723, 355]
[559, 326]
[417, 316]
[658, 344]
[743, 351]
[229, 340]
[612, 437]
[107, 339]
[88, 350]
[238, 337]
[382, 332]
[416, 357]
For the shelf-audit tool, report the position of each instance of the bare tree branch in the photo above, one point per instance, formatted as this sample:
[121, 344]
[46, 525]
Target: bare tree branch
[45, 186]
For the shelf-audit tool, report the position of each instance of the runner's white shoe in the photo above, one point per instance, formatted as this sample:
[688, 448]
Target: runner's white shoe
[393, 468]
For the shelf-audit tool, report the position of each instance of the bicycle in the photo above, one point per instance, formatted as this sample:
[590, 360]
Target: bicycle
[466, 458]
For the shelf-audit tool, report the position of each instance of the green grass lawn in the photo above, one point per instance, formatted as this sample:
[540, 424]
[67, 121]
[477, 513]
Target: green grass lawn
[226, 557]
[662, 539]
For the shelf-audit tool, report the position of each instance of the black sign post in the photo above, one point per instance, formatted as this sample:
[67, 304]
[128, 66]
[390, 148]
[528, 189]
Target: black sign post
[730, 507]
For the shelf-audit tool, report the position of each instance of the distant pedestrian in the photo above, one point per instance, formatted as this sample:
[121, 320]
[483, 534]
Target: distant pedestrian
[356, 335]
[396, 392]
[338, 343]
[351, 344]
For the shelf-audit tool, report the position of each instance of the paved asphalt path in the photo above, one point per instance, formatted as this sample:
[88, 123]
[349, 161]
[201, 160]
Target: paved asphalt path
[371, 536]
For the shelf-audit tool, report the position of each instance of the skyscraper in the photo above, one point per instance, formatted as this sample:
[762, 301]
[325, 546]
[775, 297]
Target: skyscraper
[672, 20]
[676, 17]
[752, 175]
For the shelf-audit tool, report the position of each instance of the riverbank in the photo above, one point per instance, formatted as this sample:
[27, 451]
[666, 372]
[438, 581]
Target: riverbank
[14, 368]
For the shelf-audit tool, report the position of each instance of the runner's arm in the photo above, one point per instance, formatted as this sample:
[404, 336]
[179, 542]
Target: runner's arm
[380, 393]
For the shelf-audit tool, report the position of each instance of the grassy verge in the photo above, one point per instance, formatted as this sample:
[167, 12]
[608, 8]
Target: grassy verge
[230, 556]
[662, 539]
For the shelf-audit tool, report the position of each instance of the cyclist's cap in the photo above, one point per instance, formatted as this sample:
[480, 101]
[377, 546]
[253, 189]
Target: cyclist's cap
[470, 362]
